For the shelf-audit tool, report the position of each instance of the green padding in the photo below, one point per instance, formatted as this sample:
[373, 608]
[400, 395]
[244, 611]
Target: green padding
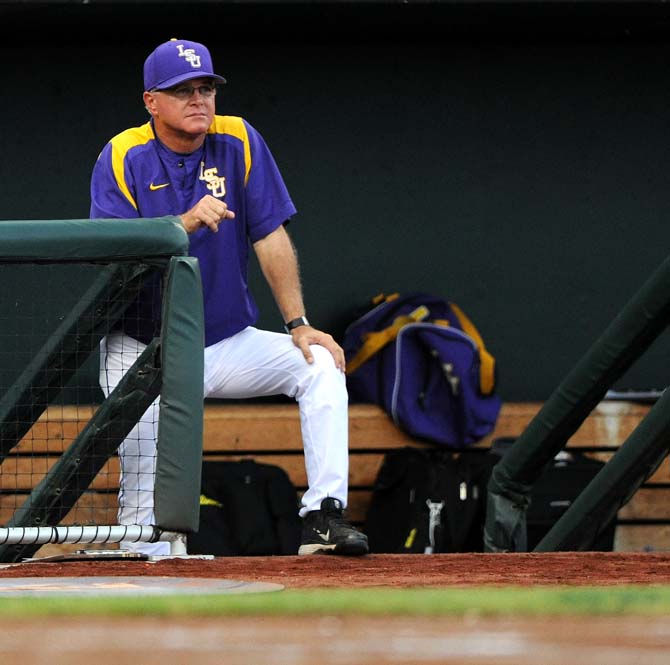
[179, 462]
[94, 239]
[631, 333]
[506, 531]
[635, 461]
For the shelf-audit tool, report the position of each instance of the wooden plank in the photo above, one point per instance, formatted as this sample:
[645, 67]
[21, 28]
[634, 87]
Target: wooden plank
[51, 437]
[239, 428]
[8, 505]
[357, 508]
[371, 427]
[24, 473]
[660, 475]
[56, 428]
[648, 504]
[642, 538]
[248, 426]
[92, 508]
[609, 424]
[21, 473]
[277, 427]
[68, 413]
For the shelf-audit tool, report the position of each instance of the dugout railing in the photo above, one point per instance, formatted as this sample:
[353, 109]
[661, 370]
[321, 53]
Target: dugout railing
[65, 285]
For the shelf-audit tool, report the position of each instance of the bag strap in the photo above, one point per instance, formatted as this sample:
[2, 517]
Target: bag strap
[486, 360]
[374, 341]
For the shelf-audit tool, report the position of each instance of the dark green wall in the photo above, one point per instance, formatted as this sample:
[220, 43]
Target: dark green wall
[522, 173]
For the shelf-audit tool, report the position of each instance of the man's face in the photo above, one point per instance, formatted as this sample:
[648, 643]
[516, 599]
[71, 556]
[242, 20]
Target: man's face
[188, 107]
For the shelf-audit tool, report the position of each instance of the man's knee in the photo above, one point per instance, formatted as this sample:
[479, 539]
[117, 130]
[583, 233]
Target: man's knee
[326, 376]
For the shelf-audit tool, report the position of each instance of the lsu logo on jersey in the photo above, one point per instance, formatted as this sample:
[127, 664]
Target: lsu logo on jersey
[189, 55]
[215, 183]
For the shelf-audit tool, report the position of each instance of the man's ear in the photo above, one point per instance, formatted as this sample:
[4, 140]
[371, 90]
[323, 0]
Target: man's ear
[150, 102]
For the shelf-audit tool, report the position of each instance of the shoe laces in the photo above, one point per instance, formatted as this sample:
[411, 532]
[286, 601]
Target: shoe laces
[335, 517]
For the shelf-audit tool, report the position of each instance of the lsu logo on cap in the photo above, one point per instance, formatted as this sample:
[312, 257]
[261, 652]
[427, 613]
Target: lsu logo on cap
[189, 55]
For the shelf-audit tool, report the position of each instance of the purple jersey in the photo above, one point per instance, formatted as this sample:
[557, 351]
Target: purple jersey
[137, 176]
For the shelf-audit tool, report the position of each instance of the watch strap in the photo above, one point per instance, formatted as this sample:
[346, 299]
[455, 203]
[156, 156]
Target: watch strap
[296, 323]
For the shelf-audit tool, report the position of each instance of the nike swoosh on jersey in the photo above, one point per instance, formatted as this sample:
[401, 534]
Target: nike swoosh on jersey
[153, 187]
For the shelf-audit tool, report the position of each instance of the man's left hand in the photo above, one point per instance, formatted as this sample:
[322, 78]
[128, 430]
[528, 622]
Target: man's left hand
[303, 336]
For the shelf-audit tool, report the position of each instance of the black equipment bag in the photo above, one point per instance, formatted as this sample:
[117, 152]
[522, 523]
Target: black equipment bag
[246, 508]
[434, 500]
[429, 500]
[553, 492]
[559, 484]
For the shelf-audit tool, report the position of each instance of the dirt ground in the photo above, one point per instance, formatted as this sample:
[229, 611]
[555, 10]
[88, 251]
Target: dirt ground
[386, 570]
[330, 640]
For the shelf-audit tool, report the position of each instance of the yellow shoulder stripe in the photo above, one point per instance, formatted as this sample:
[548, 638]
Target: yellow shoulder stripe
[121, 144]
[232, 125]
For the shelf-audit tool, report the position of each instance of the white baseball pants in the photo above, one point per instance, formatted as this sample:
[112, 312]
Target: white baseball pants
[253, 363]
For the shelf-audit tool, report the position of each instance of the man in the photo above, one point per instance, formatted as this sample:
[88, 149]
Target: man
[217, 174]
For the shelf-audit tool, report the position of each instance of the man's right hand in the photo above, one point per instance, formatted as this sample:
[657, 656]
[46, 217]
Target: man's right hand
[208, 211]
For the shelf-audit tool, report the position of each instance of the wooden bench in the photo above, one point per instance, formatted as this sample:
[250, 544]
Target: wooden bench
[270, 433]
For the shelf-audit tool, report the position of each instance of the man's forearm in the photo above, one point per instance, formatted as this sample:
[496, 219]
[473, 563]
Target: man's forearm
[279, 263]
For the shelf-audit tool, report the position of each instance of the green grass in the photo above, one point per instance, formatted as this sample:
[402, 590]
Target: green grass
[501, 601]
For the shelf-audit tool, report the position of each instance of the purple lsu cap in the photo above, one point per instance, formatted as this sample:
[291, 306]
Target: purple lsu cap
[176, 61]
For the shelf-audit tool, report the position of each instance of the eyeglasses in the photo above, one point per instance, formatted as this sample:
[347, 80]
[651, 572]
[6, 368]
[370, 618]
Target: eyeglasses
[184, 92]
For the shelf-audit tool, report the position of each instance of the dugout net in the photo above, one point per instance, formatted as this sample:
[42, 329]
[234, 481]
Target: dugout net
[68, 286]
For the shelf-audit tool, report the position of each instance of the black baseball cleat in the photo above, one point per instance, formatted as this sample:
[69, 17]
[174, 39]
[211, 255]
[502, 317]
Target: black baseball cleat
[326, 532]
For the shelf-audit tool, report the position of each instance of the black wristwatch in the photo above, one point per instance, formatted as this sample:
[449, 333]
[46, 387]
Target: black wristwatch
[295, 323]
